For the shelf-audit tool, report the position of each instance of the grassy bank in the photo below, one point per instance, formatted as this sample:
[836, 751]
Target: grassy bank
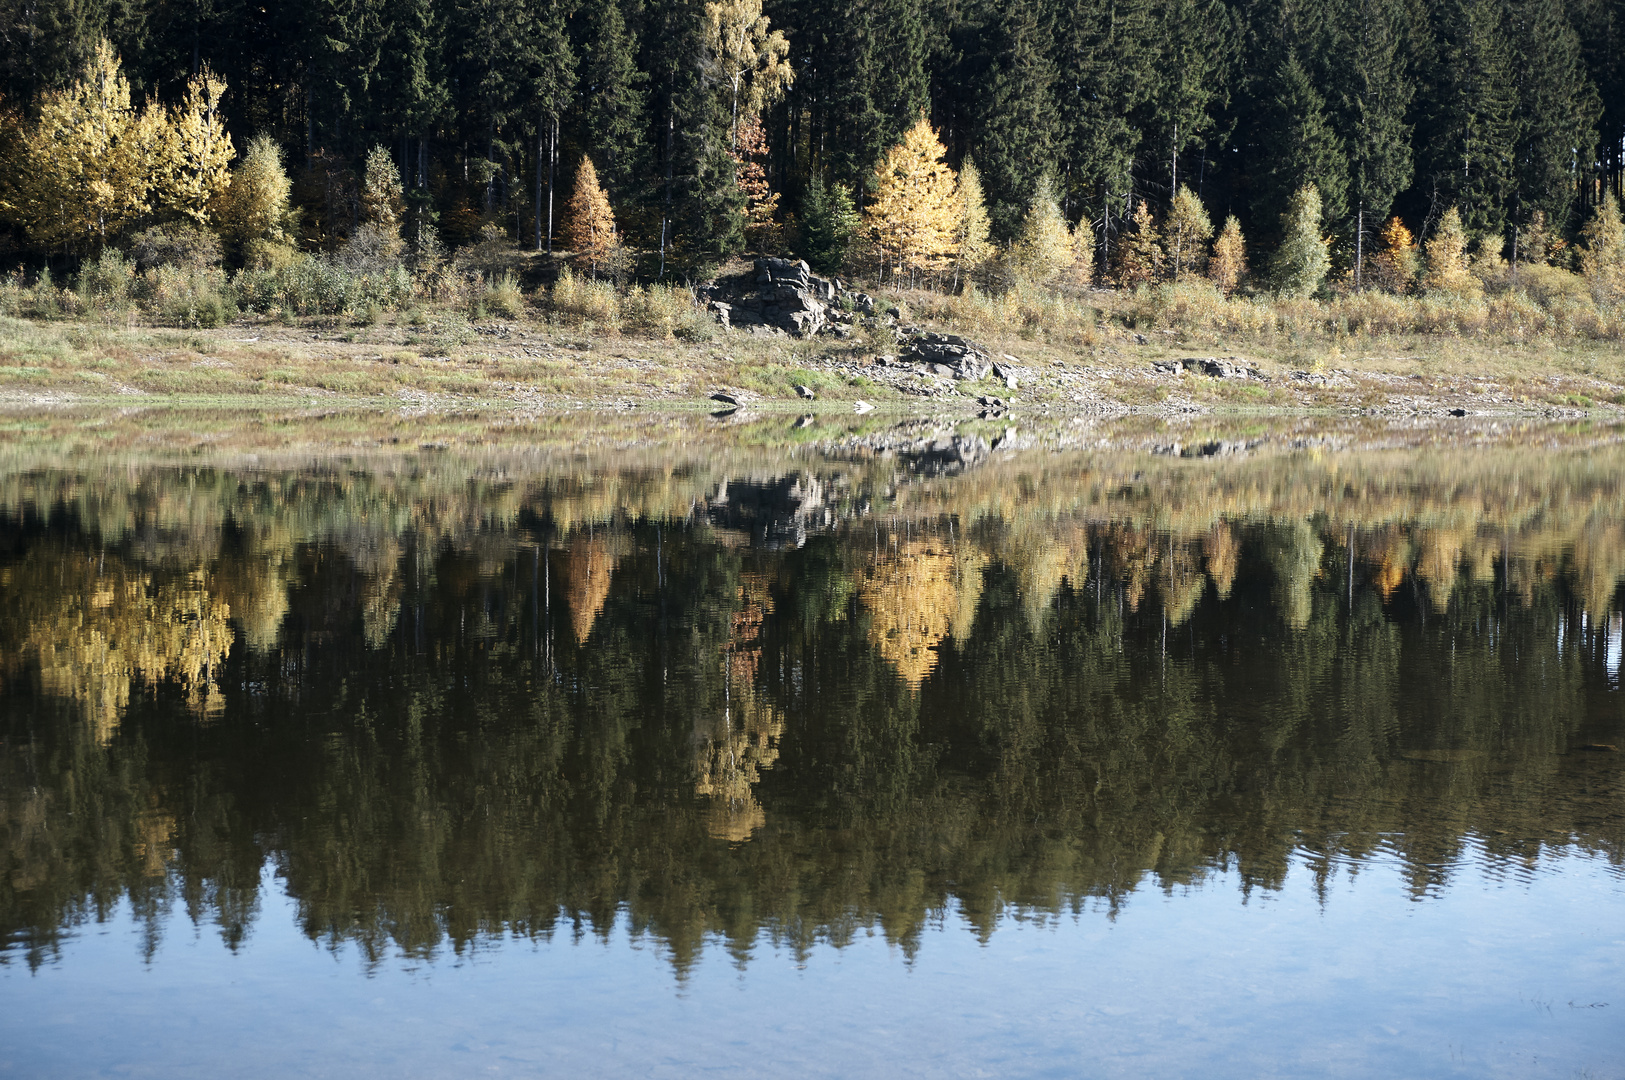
[111, 334]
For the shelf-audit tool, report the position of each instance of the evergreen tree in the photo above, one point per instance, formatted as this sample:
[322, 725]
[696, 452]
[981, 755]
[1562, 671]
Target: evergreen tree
[829, 221]
[1228, 264]
[1375, 92]
[1015, 117]
[1301, 259]
[1557, 112]
[1469, 130]
[1106, 50]
[1197, 44]
[1299, 146]
[613, 93]
[871, 84]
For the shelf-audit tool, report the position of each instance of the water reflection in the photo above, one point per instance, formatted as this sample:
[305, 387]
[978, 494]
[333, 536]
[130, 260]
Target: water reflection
[449, 705]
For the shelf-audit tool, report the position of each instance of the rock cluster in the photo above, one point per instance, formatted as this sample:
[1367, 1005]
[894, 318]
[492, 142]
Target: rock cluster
[949, 355]
[1213, 367]
[785, 297]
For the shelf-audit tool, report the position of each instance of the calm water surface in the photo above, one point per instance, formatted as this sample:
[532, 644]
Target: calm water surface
[927, 760]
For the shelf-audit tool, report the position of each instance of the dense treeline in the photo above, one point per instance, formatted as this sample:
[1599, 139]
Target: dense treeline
[707, 119]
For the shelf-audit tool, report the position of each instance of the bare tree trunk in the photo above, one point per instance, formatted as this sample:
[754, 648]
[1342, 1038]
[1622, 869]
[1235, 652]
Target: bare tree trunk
[552, 169]
[539, 194]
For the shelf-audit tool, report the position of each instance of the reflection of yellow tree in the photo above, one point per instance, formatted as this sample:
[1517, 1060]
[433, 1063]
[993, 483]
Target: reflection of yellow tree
[584, 569]
[1223, 556]
[732, 750]
[916, 595]
[94, 635]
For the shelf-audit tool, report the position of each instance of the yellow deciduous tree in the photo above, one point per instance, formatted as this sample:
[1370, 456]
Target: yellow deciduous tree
[1044, 247]
[1395, 266]
[255, 206]
[1447, 258]
[590, 229]
[381, 193]
[87, 167]
[1603, 257]
[1139, 257]
[754, 60]
[1228, 263]
[914, 214]
[1186, 233]
[192, 168]
[972, 243]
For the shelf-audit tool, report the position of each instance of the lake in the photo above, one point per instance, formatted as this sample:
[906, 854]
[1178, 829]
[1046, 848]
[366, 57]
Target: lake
[421, 746]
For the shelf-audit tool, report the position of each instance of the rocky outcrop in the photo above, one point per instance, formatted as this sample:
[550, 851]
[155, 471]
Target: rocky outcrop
[784, 297]
[949, 355]
[1229, 367]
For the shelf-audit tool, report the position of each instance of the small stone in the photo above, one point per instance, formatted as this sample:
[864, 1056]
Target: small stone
[726, 399]
[862, 407]
[805, 391]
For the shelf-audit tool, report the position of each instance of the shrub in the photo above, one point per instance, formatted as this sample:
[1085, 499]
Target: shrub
[190, 247]
[504, 298]
[584, 304]
[108, 282]
[187, 296]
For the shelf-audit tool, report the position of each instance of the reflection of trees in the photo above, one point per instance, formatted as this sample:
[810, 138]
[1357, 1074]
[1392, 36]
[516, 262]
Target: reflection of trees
[1036, 712]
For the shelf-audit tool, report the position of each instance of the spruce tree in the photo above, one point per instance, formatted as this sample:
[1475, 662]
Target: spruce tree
[613, 93]
[1298, 146]
[1301, 259]
[1375, 92]
[829, 221]
[1469, 130]
[1197, 44]
[1015, 115]
[1557, 112]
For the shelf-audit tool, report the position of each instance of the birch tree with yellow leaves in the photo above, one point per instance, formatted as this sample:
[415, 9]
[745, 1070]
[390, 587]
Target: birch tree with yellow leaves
[87, 163]
[192, 169]
[914, 215]
[754, 60]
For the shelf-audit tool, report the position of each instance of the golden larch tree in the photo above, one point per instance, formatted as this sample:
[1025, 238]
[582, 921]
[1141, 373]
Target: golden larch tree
[973, 246]
[256, 205]
[1228, 263]
[382, 196]
[1395, 266]
[913, 215]
[589, 230]
[1185, 234]
[1139, 257]
[1603, 255]
[1044, 247]
[1447, 258]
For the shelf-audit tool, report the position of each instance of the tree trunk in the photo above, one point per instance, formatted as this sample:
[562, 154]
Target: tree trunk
[539, 194]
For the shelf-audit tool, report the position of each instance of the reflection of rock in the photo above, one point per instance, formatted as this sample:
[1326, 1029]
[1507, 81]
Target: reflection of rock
[776, 513]
[584, 570]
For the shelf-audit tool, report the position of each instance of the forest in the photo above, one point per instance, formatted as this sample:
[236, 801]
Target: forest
[1335, 141]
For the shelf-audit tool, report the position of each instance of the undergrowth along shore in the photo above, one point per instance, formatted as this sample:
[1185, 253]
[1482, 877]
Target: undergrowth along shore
[318, 326]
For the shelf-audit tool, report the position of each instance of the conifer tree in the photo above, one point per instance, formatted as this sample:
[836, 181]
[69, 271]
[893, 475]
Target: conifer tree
[1557, 110]
[1139, 255]
[194, 160]
[1602, 252]
[1304, 148]
[973, 246]
[829, 223]
[1196, 47]
[1044, 246]
[1015, 116]
[1302, 259]
[1228, 264]
[1447, 258]
[1082, 270]
[551, 84]
[1532, 242]
[1469, 128]
[590, 230]
[1185, 233]
[1396, 263]
[1375, 90]
[614, 93]
[913, 214]
[381, 192]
